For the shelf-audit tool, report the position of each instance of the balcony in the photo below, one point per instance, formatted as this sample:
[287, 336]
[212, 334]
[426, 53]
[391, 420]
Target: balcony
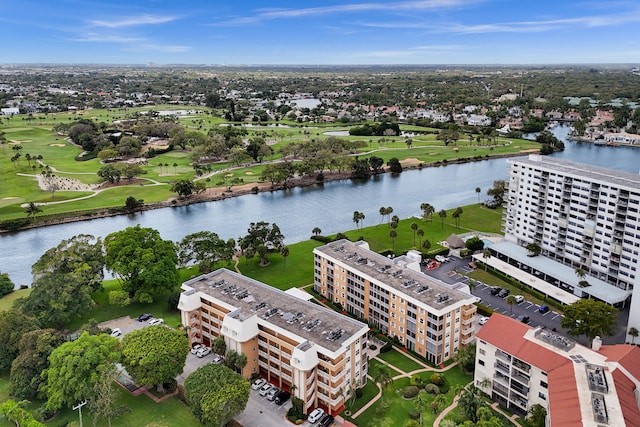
[501, 367]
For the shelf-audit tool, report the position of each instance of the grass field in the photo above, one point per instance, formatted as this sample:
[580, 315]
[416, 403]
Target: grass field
[6, 302]
[36, 138]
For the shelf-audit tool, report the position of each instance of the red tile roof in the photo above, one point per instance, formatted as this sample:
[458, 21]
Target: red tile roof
[564, 404]
[508, 334]
[627, 398]
[627, 355]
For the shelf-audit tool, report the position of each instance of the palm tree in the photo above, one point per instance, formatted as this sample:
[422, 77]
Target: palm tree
[426, 245]
[389, 211]
[456, 215]
[393, 234]
[486, 254]
[414, 227]
[175, 168]
[383, 212]
[581, 274]
[420, 233]
[633, 332]
[478, 191]
[469, 402]
[316, 231]
[284, 251]
[510, 299]
[420, 403]
[427, 211]
[383, 378]
[32, 209]
[442, 214]
[358, 217]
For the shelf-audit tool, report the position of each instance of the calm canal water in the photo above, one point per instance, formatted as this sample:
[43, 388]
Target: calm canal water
[297, 211]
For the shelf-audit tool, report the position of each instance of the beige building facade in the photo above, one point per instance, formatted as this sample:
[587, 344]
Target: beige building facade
[288, 340]
[427, 316]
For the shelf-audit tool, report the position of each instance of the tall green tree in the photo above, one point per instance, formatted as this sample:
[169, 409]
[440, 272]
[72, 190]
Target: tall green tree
[536, 416]
[103, 403]
[261, 233]
[442, 214]
[144, 262]
[421, 403]
[383, 378]
[74, 369]
[216, 394]
[414, 227]
[6, 285]
[358, 218]
[13, 325]
[469, 402]
[590, 318]
[284, 251]
[427, 211]
[205, 248]
[15, 412]
[456, 215]
[35, 348]
[154, 355]
[81, 255]
[498, 191]
[32, 210]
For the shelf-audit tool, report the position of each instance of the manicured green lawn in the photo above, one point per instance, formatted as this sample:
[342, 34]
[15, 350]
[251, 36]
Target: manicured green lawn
[400, 361]
[295, 272]
[142, 411]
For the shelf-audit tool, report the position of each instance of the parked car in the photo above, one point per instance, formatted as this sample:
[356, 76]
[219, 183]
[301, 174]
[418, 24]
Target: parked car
[472, 264]
[543, 308]
[495, 290]
[519, 299]
[203, 352]
[258, 383]
[156, 321]
[196, 346]
[144, 317]
[326, 421]
[217, 359]
[524, 319]
[315, 415]
[116, 332]
[482, 320]
[441, 258]
[265, 389]
[271, 395]
[282, 397]
[504, 293]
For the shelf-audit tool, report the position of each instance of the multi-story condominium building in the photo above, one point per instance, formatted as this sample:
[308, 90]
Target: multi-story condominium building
[520, 366]
[584, 218]
[427, 316]
[288, 340]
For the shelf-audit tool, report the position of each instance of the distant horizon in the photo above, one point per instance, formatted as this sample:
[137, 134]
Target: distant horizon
[332, 32]
[389, 65]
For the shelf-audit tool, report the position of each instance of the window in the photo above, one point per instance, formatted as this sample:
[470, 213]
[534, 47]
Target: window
[542, 396]
[544, 384]
[481, 362]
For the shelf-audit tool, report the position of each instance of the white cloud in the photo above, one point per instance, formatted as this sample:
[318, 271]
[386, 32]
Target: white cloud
[100, 38]
[133, 21]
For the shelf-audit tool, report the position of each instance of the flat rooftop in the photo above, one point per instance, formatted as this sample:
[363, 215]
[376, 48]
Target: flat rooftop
[308, 320]
[589, 172]
[396, 274]
[597, 288]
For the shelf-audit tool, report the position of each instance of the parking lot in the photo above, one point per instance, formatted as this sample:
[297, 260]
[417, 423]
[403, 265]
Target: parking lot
[261, 412]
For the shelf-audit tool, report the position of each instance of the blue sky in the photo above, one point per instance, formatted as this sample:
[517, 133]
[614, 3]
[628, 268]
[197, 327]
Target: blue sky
[320, 32]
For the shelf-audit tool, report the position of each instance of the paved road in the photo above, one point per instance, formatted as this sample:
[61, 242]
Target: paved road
[262, 413]
[447, 273]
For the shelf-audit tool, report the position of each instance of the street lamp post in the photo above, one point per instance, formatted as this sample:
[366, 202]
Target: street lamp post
[79, 408]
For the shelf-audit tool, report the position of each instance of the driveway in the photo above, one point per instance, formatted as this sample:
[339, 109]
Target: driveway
[261, 412]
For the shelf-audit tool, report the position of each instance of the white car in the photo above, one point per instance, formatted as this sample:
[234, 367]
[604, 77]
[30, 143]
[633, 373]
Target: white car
[197, 346]
[271, 394]
[315, 415]
[203, 352]
[258, 383]
[265, 389]
[217, 359]
[116, 332]
[156, 321]
[519, 299]
[482, 320]
[441, 258]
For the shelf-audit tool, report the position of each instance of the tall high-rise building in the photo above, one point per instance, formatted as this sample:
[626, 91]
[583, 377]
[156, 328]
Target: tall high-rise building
[586, 222]
[426, 315]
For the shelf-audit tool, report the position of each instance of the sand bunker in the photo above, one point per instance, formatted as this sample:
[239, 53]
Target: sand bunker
[248, 173]
[56, 145]
[229, 175]
[432, 154]
[8, 198]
